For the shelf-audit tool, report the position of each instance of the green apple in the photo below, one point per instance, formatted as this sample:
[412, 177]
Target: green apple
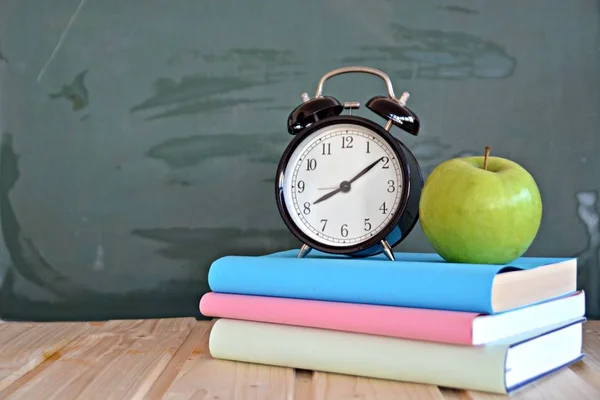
[471, 213]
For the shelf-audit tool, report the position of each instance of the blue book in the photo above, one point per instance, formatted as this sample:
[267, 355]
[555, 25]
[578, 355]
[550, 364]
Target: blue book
[420, 280]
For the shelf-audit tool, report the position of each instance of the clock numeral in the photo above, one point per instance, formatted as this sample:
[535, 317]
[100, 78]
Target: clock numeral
[311, 164]
[307, 208]
[301, 186]
[326, 149]
[367, 224]
[391, 186]
[386, 162]
[344, 230]
[383, 208]
[324, 222]
[368, 147]
[347, 142]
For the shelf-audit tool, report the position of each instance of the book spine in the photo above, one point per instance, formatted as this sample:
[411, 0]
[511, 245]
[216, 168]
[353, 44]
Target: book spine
[461, 367]
[401, 322]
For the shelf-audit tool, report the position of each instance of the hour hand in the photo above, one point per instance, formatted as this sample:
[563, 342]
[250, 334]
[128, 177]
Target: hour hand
[328, 195]
[345, 185]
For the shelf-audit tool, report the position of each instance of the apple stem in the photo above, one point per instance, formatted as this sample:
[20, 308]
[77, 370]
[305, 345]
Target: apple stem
[485, 158]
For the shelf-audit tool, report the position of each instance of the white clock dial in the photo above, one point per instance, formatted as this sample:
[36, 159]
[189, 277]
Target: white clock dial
[322, 206]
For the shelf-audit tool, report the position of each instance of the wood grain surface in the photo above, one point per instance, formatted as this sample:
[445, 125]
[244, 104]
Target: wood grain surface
[169, 359]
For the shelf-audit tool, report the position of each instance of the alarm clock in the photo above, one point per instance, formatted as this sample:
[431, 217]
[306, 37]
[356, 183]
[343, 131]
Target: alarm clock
[344, 184]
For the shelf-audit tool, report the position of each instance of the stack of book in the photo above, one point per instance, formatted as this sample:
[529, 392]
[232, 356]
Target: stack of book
[418, 319]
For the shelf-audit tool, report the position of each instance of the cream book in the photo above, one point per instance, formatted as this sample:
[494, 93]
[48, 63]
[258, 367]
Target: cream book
[500, 367]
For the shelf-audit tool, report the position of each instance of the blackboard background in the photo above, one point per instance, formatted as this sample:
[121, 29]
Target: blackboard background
[140, 137]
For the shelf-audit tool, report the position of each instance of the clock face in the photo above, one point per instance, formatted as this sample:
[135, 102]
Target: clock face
[343, 185]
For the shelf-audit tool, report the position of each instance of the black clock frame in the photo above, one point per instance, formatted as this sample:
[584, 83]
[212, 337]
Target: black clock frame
[407, 214]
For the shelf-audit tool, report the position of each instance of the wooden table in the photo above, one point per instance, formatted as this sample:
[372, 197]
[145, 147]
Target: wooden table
[169, 359]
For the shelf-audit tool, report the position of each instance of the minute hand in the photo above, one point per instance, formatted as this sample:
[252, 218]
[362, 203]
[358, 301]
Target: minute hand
[365, 170]
[345, 185]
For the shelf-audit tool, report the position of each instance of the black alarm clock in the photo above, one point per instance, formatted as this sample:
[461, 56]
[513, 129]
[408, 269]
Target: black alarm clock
[344, 184]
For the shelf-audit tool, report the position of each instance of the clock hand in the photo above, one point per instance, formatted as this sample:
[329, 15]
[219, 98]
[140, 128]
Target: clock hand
[365, 170]
[345, 185]
[328, 195]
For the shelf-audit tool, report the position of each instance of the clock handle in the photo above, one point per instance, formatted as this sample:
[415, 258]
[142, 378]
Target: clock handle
[357, 69]
[393, 110]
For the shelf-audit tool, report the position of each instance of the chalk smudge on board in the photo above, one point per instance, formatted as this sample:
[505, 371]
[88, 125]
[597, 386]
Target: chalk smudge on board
[436, 54]
[76, 92]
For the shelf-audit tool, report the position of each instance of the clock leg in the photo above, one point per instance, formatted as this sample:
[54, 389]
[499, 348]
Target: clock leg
[387, 250]
[304, 251]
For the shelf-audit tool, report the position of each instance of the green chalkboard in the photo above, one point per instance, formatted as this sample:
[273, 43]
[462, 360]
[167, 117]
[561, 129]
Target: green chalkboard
[140, 138]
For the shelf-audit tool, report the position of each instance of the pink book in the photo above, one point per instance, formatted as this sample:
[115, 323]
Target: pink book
[454, 327]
